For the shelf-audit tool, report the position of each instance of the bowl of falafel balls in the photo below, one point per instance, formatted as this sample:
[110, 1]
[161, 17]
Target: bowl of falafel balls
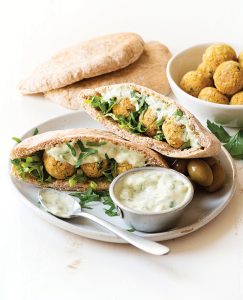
[207, 79]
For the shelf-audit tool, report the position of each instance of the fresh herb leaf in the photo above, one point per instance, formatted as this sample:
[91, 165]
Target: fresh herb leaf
[97, 144]
[16, 139]
[93, 185]
[85, 152]
[218, 131]
[36, 131]
[111, 210]
[178, 113]
[234, 144]
[73, 151]
[132, 229]
[100, 103]
[111, 172]
[186, 145]
[78, 177]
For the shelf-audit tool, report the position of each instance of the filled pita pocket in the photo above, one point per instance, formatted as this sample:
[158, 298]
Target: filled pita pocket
[73, 159]
[87, 59]
[150, 119]
[149, 70]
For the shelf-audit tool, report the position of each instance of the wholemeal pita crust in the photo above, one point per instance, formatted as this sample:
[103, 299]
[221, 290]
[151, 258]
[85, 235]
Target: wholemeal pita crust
[50, 139]
[149, 70]
[210, 144]
[88, 59]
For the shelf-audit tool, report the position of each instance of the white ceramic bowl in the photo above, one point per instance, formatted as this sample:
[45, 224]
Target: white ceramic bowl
[188, 60]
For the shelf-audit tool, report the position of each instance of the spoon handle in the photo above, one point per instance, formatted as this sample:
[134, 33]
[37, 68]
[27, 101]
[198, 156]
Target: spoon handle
[137, 241]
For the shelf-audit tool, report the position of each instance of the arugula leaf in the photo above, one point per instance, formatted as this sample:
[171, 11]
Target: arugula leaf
[36, 131]
[78, 177]
[234, 144]
[178, 113]
[186, 145]
[16, 139]
[97, 144]
[73, 151]
[100, 103]
[111, 172]
[90, 196]
[85, 152]
[218, 131]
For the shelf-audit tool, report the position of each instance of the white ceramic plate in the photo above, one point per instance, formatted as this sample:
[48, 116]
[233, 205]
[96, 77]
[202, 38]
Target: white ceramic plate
[202, 209]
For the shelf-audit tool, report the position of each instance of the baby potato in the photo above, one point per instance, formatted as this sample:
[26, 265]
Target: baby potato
[211, 94]
[123, 108]
[96, 169]
[148, 119]
[237, 99]
[194, 81]
[240, 59]
[228, 77]
[218, 178]
[215, 55]
[200, 172]
[57, 169]
[123, 167]
[173, 132]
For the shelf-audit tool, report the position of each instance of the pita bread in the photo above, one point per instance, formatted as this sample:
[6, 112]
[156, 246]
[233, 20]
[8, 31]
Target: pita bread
[149, 70]
[88, 59]
[210, 145]
[52, 138]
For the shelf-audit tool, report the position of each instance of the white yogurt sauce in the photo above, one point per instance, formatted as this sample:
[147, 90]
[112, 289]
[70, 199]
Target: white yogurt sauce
[152, 191]
[62, 153]
[57, 204]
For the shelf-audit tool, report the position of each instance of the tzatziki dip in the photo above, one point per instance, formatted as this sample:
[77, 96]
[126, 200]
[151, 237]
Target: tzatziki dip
[153, 191]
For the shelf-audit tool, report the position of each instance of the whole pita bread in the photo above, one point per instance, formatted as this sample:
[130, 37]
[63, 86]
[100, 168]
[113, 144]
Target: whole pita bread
[210, 145]
[149, 70]
[52, 138]
[88, 59]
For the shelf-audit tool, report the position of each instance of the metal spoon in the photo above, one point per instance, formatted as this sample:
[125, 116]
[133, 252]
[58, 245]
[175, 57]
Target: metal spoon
[64, 206]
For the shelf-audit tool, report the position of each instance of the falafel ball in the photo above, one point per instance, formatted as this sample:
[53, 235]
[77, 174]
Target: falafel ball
[123, 167]
[237, 99]
[173, 132]
[211, 94]
[148, 119]
[194, 81]
[57, 169]
[123, 108]
[240, 59]
[205, 69]
[215, 55]
[96, 169]
[228, 77]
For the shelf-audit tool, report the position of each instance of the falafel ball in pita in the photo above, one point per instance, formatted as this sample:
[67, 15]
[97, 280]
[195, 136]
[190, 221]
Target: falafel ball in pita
[71, 159]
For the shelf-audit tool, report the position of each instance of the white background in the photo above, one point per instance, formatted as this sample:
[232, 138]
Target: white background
[40, 261]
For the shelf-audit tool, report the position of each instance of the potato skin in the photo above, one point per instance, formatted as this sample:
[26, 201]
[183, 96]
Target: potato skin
[123, 108]
[215, 55]
[194, 81]
[57, 169]
[211, 94]
[96, 169]
[240, 59]
[173, 133]
[123, 167]
[237, 99]
[228, 77]
[148, 119]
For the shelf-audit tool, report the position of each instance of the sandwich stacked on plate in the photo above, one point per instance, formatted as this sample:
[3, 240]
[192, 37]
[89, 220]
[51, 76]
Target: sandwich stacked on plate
[119, 81]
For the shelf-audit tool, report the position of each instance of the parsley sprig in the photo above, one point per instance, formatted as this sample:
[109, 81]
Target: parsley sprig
[234, 144]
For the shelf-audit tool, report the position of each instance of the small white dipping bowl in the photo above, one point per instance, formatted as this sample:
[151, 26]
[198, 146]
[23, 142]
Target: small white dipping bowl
[188, 60]
[150, 221]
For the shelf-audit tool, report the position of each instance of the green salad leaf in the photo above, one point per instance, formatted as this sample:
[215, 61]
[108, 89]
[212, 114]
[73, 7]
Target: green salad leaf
[111, 172]
[85, 152]
[234, 144]
[89, 196]
[36, 131]
[16, 139]
[73, 151]
[77, 177]
[96, 144]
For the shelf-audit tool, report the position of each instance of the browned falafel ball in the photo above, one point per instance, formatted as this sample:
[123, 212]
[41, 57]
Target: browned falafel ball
[96, 169]
[194, 81]
[240, 59]
[205, 69]
[237, 99]
[123, 167]
[123, 108]
[57, 169]
[173, 132]
[228, 77]
[148, 119]
[217, 54]
[211, 94]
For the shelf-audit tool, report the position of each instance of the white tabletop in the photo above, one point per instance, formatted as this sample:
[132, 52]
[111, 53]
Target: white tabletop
[40, 261]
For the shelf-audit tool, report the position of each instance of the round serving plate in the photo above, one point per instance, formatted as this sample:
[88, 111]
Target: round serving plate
[203, 208]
